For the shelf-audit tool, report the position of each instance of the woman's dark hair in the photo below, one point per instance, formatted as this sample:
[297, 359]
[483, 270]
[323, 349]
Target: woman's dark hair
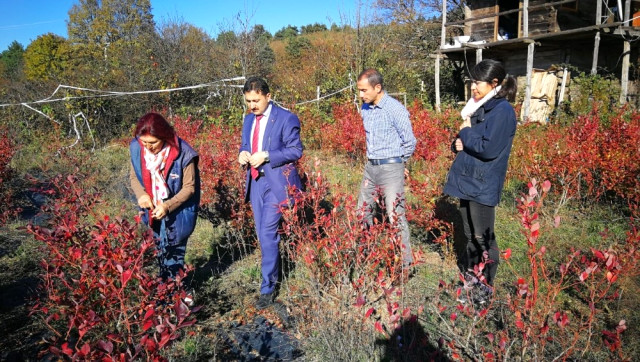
[488, 70]
[257, 85]
[156, 125]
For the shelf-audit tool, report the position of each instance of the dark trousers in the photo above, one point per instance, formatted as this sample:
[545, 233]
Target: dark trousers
[267, 215]
[170, 257]
[478, 221]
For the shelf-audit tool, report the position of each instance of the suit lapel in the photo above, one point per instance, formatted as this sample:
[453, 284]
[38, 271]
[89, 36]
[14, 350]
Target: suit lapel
[266, 140]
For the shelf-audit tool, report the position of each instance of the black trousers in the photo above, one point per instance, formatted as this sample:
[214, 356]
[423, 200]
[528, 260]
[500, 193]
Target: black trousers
[478, 221]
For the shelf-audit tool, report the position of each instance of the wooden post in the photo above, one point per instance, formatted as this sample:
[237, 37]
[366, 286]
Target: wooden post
[626, 51]
[624, 79]
[318, 96]
[527, 95]
[478, 55]
[596, 49]
[596, 45]
[443, 34]
[437, 82]
[526, 104]
[563, 86]
[525, 18]
[443, 38]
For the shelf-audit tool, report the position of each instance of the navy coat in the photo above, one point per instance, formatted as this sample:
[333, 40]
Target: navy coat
[479, 170]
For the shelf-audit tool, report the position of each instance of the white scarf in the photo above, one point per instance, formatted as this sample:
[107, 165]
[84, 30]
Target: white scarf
[155, 164]
[472, 105]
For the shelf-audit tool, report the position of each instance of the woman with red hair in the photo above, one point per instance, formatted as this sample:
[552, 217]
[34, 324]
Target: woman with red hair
[165, 179]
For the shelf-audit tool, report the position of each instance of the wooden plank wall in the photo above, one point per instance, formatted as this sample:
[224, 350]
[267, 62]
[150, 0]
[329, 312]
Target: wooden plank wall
[541, 21]
[483, 29]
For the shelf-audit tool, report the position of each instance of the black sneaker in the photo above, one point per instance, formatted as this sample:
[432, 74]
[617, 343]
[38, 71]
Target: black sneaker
[478, 293]
[470, 281]
[482, 293]
[264, 301]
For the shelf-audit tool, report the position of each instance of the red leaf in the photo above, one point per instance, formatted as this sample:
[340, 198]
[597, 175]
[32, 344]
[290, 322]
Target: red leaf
[598, 254]
[453, 317]
[66, 350]
[379, 327]
[406, 313]
[503, 343]
[148, 324]
[85, 349]
[126, 276]
[546, 186]
[165, 338]
[520, 324]
[583, 276]
[150, 312]
[359, 301]
[369, 312]
[507, 254]
[106, 346]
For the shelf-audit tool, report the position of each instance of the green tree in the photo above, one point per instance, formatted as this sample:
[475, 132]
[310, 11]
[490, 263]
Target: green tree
[182, 57]
[288, 31]
[46, 58]
[416, 38]
[12, 61]
[112, 43]
[313, 28]
[297, 45]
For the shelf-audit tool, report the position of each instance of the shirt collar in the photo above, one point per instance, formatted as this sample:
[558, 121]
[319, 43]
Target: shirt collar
[267, 111]
[383, 100]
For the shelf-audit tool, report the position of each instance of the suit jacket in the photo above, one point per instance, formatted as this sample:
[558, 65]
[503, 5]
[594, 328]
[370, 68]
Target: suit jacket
[282, 140]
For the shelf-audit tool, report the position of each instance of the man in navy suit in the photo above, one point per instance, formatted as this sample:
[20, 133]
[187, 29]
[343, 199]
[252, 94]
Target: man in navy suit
[270, 147]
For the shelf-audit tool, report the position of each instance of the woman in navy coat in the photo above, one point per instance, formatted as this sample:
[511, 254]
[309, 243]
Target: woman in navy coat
[478, 171]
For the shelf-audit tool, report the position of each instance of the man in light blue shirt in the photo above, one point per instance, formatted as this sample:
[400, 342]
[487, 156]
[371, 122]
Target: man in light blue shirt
[390, 143]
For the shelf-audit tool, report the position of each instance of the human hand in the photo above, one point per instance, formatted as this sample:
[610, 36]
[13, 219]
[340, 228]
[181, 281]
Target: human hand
[459, 145]
[145, 202]
[257, 159]
[243, 157]
[159, 212]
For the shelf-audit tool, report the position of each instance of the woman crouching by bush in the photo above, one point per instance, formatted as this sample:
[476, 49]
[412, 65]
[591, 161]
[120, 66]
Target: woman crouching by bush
[166, 181]
[477, 175]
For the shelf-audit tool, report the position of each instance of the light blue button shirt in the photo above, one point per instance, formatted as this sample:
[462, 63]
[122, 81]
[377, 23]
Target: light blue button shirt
[388, 129]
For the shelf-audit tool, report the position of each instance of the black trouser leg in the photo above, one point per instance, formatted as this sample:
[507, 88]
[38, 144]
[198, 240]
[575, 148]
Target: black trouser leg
[478, 221]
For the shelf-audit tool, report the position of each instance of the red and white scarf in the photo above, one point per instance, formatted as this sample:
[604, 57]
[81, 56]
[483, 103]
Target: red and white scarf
[155, 164]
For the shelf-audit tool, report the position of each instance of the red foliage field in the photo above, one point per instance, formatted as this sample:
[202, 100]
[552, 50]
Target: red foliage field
[588, 160]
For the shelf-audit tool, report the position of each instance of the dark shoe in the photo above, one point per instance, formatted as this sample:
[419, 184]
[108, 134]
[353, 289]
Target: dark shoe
[190, 298]
[477, 293]
[265, 301]
[482, 293]
[470, 281]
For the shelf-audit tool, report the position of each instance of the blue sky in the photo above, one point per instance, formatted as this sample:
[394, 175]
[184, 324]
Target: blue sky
[24, 20]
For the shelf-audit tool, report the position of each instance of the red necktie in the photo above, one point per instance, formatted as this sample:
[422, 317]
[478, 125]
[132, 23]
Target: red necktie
[254, 144]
